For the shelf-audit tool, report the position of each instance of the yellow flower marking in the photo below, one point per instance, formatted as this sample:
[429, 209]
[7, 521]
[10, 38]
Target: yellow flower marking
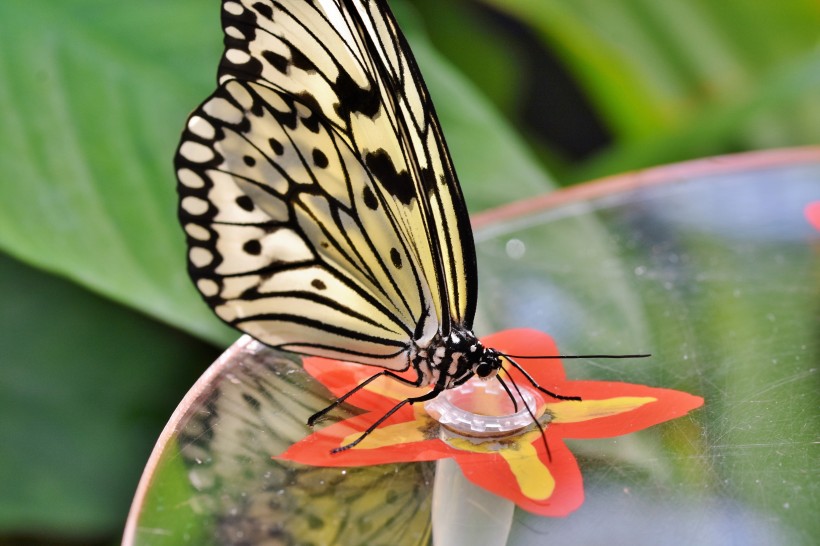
[400, 433]
[533, 477]
[573, 412]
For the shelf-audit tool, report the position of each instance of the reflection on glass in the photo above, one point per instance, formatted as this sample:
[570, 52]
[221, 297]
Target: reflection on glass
[715, 274]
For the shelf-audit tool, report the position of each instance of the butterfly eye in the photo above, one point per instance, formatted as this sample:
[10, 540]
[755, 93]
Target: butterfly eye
[484, 369]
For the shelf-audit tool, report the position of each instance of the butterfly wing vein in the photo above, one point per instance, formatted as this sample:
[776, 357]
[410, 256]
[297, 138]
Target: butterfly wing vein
[321, 208]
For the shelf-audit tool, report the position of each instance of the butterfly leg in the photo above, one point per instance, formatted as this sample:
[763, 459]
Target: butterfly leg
[509, 392]
[534, 418]
[321, 413]
[428, 396]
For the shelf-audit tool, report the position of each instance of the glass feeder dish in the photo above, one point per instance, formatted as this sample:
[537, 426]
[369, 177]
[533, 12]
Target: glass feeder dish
[712, 266]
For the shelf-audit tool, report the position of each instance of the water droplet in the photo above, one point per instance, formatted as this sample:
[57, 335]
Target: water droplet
[516, 249]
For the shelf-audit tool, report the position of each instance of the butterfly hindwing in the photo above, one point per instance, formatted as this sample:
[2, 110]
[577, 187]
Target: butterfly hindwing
[322, 212]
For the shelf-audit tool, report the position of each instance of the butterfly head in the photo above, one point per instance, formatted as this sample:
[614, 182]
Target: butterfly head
[488, 363]
[468, 358]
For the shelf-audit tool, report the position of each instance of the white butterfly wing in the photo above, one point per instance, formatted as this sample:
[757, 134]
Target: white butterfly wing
[322, 212]
[447, 217]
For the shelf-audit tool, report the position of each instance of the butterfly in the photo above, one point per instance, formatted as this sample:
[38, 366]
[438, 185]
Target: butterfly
[322, 210]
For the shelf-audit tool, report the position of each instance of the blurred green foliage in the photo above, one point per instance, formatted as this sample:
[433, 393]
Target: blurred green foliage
[665, 81]
[93, 96]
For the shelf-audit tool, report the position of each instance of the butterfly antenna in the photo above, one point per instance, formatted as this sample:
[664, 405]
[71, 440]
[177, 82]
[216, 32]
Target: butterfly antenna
[535, 384]
[534, 418]
[524, 357]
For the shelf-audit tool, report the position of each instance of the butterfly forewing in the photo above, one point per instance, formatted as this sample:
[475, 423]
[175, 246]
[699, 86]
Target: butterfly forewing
[322, 212]
[448, 220]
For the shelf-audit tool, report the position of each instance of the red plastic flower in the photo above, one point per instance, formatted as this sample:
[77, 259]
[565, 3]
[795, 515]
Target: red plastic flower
[517, 468]
[812, 212]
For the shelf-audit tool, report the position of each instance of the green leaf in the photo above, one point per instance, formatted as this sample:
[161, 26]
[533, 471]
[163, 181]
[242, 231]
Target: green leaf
[93, 97]
[650, 65]
[777, 113]
[685, 78]
[86, 386]
[91, 110]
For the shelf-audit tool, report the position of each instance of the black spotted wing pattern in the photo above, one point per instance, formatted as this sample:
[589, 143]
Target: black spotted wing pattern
[322, 212]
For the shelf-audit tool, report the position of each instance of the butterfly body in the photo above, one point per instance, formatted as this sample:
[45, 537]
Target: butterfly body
[449, 361]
